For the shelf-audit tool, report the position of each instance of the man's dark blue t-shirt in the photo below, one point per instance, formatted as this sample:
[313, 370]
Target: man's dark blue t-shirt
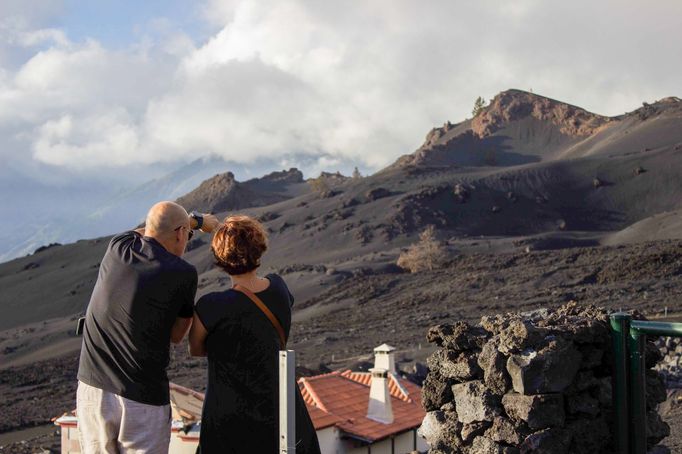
[140, 290]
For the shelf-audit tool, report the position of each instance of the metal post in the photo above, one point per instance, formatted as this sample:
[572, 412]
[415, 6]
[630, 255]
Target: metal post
[637, 392]
[287, 402]
[620, 325]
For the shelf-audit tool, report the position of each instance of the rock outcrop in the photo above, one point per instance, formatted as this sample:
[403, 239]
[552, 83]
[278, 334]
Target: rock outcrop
[512, 105]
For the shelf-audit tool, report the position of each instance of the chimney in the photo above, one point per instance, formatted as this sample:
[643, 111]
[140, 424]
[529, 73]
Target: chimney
[379, 408]
[384, 358]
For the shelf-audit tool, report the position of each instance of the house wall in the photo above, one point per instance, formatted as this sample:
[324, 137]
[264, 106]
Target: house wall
[402, 444]
[70, 443]
[382, 447]
[180, 446]
[329, 441]
[405, 443]
[422, 445]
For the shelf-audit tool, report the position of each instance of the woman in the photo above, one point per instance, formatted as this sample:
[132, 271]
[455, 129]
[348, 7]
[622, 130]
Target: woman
[240, 411]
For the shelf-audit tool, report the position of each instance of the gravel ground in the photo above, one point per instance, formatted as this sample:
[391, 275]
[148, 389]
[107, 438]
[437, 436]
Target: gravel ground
[340, 327]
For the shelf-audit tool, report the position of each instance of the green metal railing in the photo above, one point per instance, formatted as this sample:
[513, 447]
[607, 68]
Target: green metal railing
[629, 393]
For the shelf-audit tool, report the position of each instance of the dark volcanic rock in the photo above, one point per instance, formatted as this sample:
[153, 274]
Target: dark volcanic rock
[538, 411]
[437, 391]
[440, 431]
[460, 366]
[560, 373]
[46, 247]
[548, 370]
[494, 365]
[483, 445]
[583, 403]
[519, 335]
[589, 436]
[547, 441]
[377, 193]
[459, 336]
[472, 430]
[474, 402]
[505, 431]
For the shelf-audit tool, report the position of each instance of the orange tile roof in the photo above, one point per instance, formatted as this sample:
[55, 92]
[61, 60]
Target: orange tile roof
[344, 395]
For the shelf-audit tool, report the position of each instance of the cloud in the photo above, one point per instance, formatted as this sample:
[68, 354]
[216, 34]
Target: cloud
[321, 83]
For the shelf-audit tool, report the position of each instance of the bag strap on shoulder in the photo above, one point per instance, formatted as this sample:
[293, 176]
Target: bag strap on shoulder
[268, 313]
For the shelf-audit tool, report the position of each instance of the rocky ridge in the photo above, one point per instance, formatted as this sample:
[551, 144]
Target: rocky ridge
[514, 105]
[222, 192]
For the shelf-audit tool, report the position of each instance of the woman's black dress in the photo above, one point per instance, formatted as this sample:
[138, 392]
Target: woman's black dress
[241, 405]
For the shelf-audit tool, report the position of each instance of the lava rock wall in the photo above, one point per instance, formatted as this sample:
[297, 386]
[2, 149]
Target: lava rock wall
[531, 383]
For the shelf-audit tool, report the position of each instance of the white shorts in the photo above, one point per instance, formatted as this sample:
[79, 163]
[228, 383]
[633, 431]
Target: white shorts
[109, 423]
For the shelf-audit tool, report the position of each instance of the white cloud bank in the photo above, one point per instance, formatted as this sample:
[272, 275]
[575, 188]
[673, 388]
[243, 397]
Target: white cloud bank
[348, 81]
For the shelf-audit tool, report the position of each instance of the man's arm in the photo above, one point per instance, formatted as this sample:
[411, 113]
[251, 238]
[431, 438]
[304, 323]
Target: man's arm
[180, 328]
[197, 338]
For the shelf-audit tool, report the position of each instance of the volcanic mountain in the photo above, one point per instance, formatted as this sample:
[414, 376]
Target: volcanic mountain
[526, 175]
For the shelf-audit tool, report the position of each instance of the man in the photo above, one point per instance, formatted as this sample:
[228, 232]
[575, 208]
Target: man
[142, 301]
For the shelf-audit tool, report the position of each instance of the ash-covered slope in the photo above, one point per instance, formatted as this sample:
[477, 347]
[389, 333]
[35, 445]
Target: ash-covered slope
[652, 127]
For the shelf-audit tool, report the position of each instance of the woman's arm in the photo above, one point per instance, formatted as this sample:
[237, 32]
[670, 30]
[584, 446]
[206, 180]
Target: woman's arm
[197, 337]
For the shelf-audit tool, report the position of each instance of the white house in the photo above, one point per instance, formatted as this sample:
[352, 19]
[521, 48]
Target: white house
[372, 412]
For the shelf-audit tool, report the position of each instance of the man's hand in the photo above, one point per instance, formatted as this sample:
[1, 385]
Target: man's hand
[210, 223]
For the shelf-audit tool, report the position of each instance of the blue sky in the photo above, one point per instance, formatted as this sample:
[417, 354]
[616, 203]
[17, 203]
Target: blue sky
[119, 24]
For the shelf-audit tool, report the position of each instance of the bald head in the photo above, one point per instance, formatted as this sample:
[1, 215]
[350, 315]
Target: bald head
[164, 218]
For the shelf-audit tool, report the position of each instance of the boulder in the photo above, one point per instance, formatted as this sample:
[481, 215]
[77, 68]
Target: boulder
[436, 392]
[461, 193]
[547, 441]
[656, 428]
[377, 193]
[494, 365]
[474, 402]
[538, 411]
[459, 336]
[503, 430]
[462, 366]
[440, 431]
[589, 436]
[582, 403]
[432, 427]
[655, 389]
[519, 335]
[548, 370]
[592, 355]
[472, 430]
[483, 445]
